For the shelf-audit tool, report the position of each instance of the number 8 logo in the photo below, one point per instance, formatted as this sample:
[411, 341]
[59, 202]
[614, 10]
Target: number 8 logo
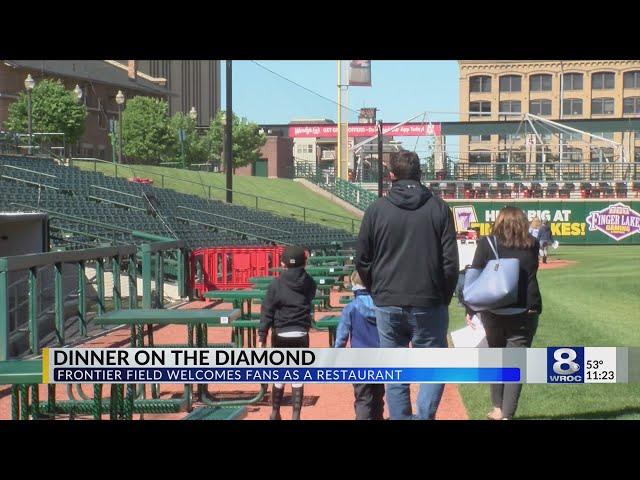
[565, 356]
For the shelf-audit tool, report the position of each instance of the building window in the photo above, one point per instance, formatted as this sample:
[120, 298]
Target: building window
[572, 106]
[607, 135]
[632, 79]
[103, 121]
[510, 107]
[513, 156]
[571, 154]
[602, 106]
[479, 138]
[540, 107]
[479, 109]
[540, 83]
[603, 80]
[309, 148]
[637, 154]
[479, 157]
[572, 81]
[481, 83]
[571, 136]
[510, 137]
[631, 105]
[510, 83]
[602, 155]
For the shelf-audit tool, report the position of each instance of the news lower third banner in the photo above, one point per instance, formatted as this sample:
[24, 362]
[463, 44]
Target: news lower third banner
[559, 365]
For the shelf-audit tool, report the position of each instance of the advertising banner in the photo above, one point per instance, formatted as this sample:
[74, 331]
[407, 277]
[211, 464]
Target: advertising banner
[365, 130]
[601, 222]
[360, 73]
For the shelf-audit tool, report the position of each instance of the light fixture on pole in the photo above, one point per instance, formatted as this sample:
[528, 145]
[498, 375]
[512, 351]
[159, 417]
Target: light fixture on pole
[78, 93]
[120, 102]
[29, 84]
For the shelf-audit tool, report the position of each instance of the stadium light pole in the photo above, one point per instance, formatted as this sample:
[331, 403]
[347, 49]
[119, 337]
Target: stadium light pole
[193, 115]
[120, 102]
[29, 84]
[78, 94]
[227, 135]
[380, 158]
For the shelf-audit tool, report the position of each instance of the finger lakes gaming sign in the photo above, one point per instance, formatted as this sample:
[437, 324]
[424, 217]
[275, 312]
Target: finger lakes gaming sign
[617, 221]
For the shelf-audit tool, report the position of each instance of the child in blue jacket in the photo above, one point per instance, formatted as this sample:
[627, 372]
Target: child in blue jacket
[358, 322]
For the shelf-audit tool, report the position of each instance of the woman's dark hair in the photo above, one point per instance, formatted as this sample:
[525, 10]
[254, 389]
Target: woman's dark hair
[405, 165]
[512, 229]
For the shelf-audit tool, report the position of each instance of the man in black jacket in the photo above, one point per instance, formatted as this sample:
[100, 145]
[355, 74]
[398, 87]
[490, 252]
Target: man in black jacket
[286, 310]
[407, 257]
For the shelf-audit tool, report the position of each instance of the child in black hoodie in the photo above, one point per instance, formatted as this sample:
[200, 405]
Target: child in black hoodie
[286, 309]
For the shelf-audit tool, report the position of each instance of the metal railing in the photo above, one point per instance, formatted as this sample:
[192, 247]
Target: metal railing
[152, 255]
[544, 172]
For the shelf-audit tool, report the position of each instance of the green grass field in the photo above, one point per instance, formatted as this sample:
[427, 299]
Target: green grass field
[245, 190]
[596, 303]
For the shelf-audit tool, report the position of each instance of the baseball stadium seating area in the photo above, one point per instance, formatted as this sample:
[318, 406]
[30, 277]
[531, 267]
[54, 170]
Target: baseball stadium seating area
[85, 205]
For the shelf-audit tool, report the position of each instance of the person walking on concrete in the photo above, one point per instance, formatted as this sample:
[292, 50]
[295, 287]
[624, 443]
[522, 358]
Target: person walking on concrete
[407, 257]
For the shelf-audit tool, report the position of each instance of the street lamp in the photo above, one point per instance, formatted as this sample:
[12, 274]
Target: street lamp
[120, 102]
[29, 83]
[78, 93]
[193, 114]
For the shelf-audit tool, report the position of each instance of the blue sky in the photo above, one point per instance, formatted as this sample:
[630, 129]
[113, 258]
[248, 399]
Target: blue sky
[400, 89]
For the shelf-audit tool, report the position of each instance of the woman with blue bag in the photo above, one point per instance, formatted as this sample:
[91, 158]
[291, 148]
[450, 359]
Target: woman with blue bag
[506, 294]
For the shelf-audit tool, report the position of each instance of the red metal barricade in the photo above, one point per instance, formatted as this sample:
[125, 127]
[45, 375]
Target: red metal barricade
[229, 268]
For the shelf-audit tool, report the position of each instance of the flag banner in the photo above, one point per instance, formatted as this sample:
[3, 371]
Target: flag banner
[360, 73]
[335, 365]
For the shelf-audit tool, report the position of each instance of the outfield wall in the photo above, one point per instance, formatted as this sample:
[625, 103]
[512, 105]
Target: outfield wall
[573, 222]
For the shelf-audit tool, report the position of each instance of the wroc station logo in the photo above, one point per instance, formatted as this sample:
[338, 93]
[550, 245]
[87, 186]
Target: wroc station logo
[565, 364]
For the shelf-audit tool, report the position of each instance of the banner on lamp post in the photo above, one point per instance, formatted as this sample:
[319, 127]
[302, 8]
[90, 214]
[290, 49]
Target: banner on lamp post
[360, 73]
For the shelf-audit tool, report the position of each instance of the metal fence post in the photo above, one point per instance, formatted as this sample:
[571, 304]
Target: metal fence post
[82, 299]
[117, 292]
[181, 257]
[58, 302]
[159, 303]
[133, 281]
[4, 313]
[33, 311]
[146, 276]
[100, 284]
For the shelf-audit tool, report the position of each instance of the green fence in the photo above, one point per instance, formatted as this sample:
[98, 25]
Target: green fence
[120, 259]
[586, 222]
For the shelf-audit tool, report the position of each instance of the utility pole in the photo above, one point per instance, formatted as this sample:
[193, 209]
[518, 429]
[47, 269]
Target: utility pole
[228, 162]
[380, 172]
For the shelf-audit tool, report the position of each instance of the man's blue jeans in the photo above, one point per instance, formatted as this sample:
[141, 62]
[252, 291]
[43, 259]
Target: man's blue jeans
[423, 327]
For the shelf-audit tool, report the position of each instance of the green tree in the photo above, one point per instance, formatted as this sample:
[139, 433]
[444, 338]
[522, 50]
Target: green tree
[246, 138]
[196, 148]
[53, 110]
[147, 136]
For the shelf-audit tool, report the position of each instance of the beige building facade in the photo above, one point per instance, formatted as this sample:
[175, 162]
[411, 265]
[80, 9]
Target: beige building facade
[555, 90]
